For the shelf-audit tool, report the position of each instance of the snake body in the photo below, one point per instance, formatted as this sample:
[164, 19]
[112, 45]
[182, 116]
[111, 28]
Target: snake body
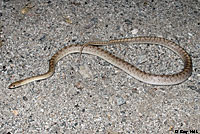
[92, 48]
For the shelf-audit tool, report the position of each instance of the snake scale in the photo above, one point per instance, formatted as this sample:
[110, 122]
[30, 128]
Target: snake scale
[92, 48]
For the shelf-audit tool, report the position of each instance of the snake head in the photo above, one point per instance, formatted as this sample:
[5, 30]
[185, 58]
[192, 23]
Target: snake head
[15, 84]
[11, 86]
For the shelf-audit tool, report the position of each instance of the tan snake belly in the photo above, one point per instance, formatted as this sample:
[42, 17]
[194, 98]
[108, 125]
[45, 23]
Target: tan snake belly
[91, 48]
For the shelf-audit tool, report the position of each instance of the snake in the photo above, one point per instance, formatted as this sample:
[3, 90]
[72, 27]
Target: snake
[94, 49]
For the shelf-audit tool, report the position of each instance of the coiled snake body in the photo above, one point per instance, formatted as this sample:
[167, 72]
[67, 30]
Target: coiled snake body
[91, 48]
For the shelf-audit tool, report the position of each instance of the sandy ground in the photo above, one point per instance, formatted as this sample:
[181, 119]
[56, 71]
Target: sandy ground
[91, 95]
